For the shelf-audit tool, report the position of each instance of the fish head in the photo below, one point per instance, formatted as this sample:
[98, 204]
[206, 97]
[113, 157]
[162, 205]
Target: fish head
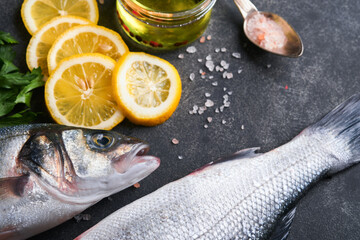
[83, 165]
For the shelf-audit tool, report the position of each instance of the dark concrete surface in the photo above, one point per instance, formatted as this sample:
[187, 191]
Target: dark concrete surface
[274, 98]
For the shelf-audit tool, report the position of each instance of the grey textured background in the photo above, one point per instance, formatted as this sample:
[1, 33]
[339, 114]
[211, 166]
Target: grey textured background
[323, 77]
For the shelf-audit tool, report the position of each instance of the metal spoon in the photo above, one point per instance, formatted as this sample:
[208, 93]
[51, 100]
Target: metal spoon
[292, 46]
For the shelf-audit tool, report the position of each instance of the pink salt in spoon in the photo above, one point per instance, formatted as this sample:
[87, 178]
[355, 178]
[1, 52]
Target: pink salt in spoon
[269, 31]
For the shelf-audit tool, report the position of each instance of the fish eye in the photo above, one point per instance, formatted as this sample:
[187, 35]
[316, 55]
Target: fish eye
[102, 141]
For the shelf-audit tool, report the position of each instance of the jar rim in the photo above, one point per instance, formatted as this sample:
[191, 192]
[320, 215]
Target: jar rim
[138, 11]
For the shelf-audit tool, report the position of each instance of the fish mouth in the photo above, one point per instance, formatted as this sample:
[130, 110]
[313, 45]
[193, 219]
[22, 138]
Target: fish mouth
[136, 156]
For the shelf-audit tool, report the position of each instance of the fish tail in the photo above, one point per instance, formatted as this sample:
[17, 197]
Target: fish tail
[340, 132]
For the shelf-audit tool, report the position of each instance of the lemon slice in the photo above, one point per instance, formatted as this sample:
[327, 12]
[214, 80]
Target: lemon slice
[35, 13]
[42, 40]
[86, 39]
[147, 88]
[79, 92]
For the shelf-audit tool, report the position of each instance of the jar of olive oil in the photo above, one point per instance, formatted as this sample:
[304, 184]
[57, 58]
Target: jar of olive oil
[164, 24]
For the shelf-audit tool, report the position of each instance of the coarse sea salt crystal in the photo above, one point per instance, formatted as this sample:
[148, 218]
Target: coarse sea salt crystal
[209, 103]
[239, 71]
[214, 84]
[211, 77]
[208, 57]
[191, 49]
[181, 56]
[236, 55]
[200, 60]
[180, 157]
[209, 119]
[217, 50]
[223, 49]
[175, 141]
[206, 126]
[229, 75]
[242, 127]
[217, 110]
[207, 95]
[223, 121]
[192, 76]
[210, 65]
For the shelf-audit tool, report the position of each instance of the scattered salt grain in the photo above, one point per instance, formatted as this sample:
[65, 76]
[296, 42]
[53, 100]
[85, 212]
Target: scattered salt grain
[175, 141]
[202, 39]
[217, 50]
[214, 84]
[208, 37]
[223, 49]
[222, 63]
[180, 157]
[209, 119]
[224, 75]
[217, 110]
[209, 103]
[207, 94]
[192, 76]
[268, 66]
[217, 68]
[210, 65]
[230, 93]
[208, 57]
[206, 126]
[242, 127]
[223, 121]
[211, 77]
[195, 108]
[236, 55]
[191, 49]
[181, 56]
[201, 71]
[224, 89]
[200, 60]
[221, 108]
[229, 75]
[239, 71]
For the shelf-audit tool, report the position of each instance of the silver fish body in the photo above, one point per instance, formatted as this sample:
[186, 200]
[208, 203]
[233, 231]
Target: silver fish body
[245, 196]
[49, 173]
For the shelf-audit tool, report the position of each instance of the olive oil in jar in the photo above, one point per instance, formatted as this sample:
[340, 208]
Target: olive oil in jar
[164, 24]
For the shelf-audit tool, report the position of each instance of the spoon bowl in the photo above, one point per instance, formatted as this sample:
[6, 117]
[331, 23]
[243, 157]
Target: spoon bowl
[269, 31]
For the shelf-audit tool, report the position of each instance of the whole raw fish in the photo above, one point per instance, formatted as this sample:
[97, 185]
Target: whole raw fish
[50, 173]
[245, 196]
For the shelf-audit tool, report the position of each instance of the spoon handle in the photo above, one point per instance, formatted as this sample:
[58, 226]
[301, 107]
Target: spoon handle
[245, 7]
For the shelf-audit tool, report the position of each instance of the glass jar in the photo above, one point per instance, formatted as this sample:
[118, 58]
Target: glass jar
[164, 26]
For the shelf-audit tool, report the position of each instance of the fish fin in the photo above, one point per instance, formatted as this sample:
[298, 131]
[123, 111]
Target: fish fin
[13, 186]
[340, 130]
[244, 153]
[8, 233]
[282, 229]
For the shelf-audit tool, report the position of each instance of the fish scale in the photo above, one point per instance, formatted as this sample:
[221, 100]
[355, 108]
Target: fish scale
[244, 196]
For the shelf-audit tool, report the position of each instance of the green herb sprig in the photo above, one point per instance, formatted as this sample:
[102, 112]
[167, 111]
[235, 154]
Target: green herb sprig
[15, 87]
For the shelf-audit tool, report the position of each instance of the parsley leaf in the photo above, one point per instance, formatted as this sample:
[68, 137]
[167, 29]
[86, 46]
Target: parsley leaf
[6, 38]
[15, 87]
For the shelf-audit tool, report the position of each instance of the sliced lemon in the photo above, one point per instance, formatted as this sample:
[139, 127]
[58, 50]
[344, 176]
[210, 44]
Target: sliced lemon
[147, 88]
[79, 92]
[35, 13]
[86, 39]
[41, 42]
